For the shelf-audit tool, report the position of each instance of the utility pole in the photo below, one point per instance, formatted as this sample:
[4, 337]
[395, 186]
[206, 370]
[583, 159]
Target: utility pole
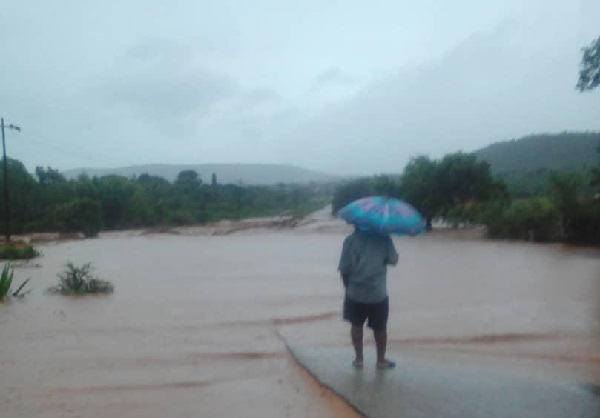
[6, 214]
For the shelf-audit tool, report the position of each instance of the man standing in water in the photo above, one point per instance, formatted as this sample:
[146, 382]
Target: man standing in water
[363, 267]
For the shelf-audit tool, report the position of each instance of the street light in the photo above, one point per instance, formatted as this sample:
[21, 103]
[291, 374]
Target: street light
[6, 214]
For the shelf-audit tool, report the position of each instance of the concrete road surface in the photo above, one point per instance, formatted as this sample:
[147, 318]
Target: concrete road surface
[415, 390]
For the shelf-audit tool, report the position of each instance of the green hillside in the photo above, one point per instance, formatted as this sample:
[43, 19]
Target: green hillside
[524, 164]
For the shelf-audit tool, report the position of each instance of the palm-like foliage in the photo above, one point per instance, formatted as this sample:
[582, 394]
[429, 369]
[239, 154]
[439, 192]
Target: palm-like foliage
[6, 278]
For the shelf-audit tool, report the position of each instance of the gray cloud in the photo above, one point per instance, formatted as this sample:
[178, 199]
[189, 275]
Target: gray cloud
[163, 80]
[258, 98]
[492, 87]
[332, 76]
[358, 88]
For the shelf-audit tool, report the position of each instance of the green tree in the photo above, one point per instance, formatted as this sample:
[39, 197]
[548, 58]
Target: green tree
[114, 194]
[585, 227]
[80, 215]
[149, 202]
[21, 196]
[84, 186]
[53, 189]
[595, 179]
[594, 176]
[387, 186]
[188, 182]
[438, 188]
[420, 187]
[158, 186]
[49, 176]
[566, 189]
[463, 179]
[351, 191]
[589, 74]
[186, 202]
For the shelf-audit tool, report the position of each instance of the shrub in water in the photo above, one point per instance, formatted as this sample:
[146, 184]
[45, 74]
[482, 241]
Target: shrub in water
[6, 279]
[534, 219]
[17, 252]
[79, 280]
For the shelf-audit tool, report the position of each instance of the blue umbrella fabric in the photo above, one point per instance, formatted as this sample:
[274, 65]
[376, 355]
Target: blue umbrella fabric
[383, 215]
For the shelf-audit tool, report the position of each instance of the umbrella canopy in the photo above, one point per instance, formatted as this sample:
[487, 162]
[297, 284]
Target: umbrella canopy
[384, 216]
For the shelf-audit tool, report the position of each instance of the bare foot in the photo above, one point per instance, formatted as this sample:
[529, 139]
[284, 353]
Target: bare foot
[385, 365]
[357, 363]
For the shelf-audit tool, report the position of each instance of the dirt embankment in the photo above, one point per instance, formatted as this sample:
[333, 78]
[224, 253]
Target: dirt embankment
[226, 227]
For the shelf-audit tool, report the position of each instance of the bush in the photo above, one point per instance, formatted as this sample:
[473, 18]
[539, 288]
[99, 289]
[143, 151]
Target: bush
[536, 219]
[79, 280]
[466, 213]
[17, 252]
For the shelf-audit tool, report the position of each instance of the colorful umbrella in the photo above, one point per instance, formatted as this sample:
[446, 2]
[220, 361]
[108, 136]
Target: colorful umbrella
[384, 216]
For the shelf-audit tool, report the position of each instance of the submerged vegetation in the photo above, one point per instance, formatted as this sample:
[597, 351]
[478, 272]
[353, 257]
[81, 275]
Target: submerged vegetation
[6, 280]
[79, 281]
[17, 251]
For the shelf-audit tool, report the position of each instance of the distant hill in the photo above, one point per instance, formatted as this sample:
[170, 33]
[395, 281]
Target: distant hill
[566, 151]
[525, 163]
[257, 174]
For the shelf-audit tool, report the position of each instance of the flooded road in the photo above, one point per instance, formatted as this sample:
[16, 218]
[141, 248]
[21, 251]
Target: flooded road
[196, 324]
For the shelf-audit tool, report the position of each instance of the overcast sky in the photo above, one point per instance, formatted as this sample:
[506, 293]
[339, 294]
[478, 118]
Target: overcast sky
[346, 87]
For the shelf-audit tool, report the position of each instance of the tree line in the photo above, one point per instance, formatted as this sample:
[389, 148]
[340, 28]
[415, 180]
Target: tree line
[435, 188]
[48, 202]
[460, 189]
[457, 188]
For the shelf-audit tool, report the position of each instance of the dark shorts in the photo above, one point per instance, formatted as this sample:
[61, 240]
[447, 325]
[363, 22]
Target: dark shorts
[376, 313]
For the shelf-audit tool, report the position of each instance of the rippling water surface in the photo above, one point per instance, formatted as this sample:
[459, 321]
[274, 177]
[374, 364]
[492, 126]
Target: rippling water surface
[196, 323]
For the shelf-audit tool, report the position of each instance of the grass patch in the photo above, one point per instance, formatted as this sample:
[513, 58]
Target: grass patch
[80, 281]
[17, 251]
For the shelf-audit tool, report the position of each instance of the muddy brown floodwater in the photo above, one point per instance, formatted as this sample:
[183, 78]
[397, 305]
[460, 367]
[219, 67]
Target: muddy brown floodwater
[196, 323]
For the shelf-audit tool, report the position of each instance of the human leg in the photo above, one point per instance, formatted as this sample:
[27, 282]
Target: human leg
[378, 317]
[356, 333]
[356, 314]
[381, 343]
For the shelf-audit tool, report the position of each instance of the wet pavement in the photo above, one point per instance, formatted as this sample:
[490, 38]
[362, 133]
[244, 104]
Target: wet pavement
[422, 390]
